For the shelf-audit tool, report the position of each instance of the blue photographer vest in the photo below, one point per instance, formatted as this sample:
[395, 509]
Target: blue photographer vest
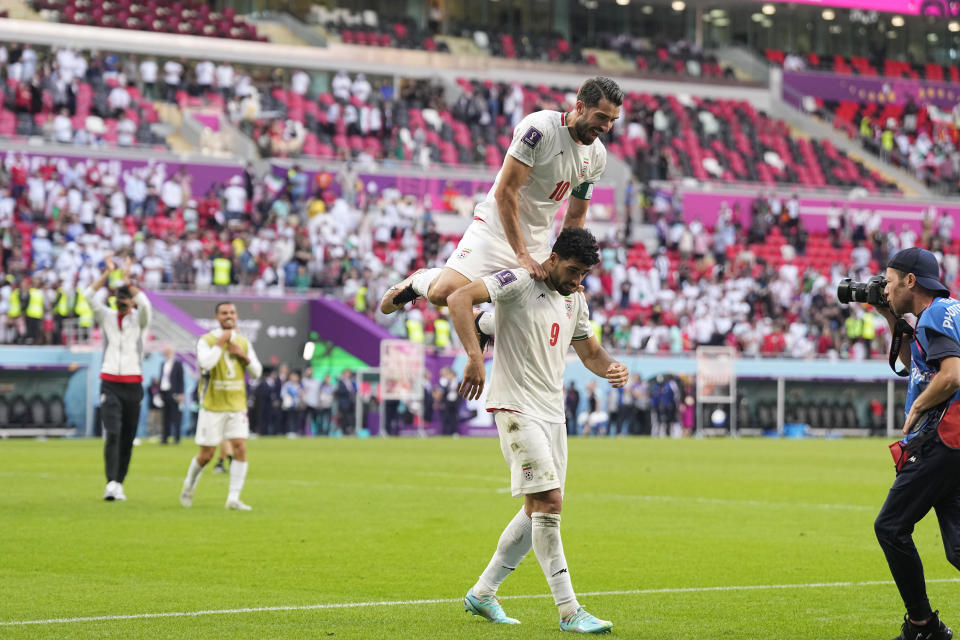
[942, 316]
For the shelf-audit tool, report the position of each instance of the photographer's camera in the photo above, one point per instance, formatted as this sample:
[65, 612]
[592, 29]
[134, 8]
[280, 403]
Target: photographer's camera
[870, 292]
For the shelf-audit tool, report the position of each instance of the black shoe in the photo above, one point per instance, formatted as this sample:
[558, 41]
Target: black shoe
[482, 338]
[933, 630]
[399, 295]
[219, 468]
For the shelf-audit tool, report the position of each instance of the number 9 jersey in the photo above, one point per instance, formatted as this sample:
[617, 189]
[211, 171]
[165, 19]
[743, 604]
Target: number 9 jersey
[535, 327]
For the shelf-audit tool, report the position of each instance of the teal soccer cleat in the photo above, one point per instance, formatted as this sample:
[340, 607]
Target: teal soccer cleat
[582, 622]
[486, 607]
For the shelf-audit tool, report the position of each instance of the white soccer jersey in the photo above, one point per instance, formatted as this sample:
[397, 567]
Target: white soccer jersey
[559, 165]
[534, 327]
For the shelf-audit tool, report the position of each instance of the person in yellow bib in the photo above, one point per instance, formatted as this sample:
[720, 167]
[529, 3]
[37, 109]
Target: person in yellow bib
[224, 356]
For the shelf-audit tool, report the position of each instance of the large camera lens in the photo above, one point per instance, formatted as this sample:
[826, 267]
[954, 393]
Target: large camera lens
[847, 291]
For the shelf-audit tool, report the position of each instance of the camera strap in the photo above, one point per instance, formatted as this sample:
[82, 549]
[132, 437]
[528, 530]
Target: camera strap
[901, 329]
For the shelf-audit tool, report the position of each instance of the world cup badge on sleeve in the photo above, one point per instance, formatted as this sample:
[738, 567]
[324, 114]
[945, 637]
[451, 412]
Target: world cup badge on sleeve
[505, 277]
[531, 137]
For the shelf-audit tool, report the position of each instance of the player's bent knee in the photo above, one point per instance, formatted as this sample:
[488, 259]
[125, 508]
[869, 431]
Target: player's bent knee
[442, 287]
[439, 292]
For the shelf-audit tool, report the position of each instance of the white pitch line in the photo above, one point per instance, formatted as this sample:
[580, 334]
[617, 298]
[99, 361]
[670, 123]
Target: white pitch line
[398, 603]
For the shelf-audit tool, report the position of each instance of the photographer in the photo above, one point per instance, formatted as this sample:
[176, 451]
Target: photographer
[121, 381]
[928, 457]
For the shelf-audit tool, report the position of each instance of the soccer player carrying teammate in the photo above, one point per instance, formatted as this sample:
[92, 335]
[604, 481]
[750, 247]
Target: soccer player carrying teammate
[223, 356]
[552, 155]
[536, 321]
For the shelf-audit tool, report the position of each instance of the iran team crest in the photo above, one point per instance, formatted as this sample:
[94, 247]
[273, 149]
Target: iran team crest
[568, 306]
[584, 167]
[462, 254]
[527, 469]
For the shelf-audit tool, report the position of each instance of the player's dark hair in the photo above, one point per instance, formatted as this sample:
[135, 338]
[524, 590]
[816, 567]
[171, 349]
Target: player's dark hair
[124, 292]
[578, 244]
[216, 309]
[595, 89]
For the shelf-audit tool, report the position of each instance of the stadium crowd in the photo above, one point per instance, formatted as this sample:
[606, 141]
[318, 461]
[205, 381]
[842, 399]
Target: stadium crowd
[696, 286]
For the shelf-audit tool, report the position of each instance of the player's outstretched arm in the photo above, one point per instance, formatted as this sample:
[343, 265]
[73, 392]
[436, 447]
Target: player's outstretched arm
[461, 303]
[576, 214]
[512, 177]
[596, 358]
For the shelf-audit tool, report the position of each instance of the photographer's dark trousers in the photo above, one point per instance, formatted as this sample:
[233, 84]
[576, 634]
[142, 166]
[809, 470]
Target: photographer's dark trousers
[120, 413]
[931, 481]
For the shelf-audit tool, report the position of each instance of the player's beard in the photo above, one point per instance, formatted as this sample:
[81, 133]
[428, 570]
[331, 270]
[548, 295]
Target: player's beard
[584, 133]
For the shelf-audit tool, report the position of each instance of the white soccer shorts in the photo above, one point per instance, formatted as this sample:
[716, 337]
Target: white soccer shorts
[213, 427]
[481, 253]
[535, 451]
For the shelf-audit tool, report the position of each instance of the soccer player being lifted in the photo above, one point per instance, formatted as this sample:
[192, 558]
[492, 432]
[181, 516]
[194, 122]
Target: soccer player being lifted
[536, 322]
[553, 155]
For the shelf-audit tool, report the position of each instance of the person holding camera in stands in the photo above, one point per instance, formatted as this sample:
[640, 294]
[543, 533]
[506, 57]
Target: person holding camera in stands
[928, 457]
[121, 377]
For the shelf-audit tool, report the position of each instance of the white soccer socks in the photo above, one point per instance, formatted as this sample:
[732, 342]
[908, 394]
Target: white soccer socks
[515, 542]
[548, 548]
[238, 473]
[422, 281]
[193, 473]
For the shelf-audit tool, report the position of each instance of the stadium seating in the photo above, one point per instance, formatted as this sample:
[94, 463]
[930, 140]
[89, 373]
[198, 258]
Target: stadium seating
[18, 121]
[924, 147]
[725, 140]
[861, 66]
[183, 17]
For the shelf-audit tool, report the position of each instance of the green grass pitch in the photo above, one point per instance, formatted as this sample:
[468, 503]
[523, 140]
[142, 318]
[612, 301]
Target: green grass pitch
[707, 539]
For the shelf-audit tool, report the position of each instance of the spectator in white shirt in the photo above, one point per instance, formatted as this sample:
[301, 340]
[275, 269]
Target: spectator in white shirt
[341, 86]
[118, 205]
[235, 199]
[300, 83]
[172, 72]
[135, 189]
[118, 100]
[945, 226]
[224, 75]
[148, 75]
[204, 71]
[126, 130]
[29, 61]
[63, 127]
[172, 196]
[361, 88]
[152, 268]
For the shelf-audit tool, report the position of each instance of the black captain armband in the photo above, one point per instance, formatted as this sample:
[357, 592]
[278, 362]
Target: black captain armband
[584, 191]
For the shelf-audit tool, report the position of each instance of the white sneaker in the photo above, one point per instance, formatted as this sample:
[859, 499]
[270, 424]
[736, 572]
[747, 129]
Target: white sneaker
[239, 506]
[186, 496]
[110, 493]
[118, 492]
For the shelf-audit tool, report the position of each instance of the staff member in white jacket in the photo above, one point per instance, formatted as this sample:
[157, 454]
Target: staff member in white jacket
[121, 377]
